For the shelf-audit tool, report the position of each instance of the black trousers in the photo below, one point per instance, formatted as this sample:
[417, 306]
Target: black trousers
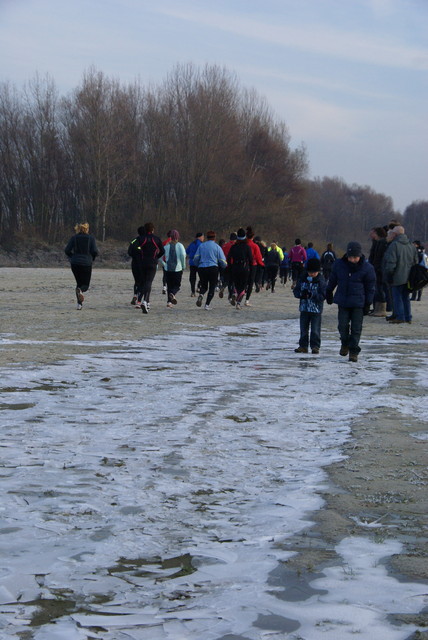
[82, 275]
[209, 278]
[251, 278]
[173, 281]
[147, 275]
[192, 277]
[350, 325]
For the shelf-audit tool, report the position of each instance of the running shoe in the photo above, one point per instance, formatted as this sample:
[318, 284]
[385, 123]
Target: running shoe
[199, 300]
[144, 307]
[138, 304]
[169, 305]
[172, 298]
[238, 306]
[247, 304]
[233, 299]
[80, 296]
[164, 289]
[207, 307]
[221, 292]
[79, 306]
[134, 300]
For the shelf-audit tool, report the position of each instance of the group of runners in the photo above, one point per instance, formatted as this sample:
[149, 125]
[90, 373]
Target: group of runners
[245, 263]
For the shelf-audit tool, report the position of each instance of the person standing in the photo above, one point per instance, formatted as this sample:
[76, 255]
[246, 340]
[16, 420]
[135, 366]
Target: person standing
[377, 251]
[399, 257]
[239, 262]
[151, 249]
[354, 279]
[193, 269]
[311, 290]
[81, 250]
[174, 263]
[423, 261]
[208, 258]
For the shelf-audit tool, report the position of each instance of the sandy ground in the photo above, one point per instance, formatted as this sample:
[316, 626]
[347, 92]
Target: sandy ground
[384, 476]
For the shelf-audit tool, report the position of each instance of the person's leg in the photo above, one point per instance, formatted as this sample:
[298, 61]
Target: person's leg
[150, 273]
[273, 275]
[406, 303]
[398, 305]
[212, 283]
[250, 284]
[192, 279]
[136, 274]
[356, 317]
[304, 330]
[343, 322]
[241, 279]
[315, 337]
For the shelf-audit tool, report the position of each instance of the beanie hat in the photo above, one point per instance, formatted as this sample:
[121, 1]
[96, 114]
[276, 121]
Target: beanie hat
[232, 236]
[241, 235]
[313, 264]
[211, 235]
[354, 249]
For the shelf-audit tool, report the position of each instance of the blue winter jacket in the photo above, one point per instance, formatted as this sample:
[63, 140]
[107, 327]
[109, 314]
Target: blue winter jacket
[355, 283]
[311, 292]
[191, 250]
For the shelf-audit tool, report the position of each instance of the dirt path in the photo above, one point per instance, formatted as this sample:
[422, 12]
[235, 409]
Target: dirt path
[383, 479]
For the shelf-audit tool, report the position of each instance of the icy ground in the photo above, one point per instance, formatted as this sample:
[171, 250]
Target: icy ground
[147, 491]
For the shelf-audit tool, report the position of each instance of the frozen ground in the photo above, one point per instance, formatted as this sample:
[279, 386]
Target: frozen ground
[148, 491]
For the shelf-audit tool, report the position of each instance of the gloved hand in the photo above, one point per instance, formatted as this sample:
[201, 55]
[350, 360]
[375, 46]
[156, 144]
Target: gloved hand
[329, 297]
[366, 310]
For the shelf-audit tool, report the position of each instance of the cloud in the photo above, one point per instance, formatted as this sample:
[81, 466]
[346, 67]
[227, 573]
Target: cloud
[320, 40]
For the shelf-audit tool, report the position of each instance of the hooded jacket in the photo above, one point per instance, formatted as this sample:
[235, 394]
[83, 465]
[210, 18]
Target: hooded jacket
[355, 282]
[311, 291]
[399, 257]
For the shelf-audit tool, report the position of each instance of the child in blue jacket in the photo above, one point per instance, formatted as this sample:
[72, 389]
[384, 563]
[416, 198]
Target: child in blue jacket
[311, 289]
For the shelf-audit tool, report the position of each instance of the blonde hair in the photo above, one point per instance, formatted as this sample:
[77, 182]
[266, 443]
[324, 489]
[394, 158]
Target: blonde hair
[82, 227]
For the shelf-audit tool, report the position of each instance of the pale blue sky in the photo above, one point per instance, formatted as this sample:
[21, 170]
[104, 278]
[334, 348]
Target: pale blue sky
[348, 77]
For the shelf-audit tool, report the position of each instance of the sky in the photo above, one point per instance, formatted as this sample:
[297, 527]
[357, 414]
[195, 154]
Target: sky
[348, 78]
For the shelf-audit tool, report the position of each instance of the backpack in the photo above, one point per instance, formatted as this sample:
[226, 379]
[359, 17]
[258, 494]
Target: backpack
[328, 258]
[418, 277]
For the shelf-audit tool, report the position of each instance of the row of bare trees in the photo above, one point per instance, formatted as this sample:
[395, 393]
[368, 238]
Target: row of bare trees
[195, 151]
[198, 151]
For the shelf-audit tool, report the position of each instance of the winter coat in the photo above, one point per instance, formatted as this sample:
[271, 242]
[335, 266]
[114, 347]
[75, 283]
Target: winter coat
[209, 254]
[297, 254]
[399, 257]
[191, 250]
[355, 282]
[273, 257]
[81, 249]
[311, 291]
[175, 257]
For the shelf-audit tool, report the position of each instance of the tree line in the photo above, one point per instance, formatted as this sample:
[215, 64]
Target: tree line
[195, 152]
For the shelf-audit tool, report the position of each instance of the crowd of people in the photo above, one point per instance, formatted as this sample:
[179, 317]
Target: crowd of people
[358, 285]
